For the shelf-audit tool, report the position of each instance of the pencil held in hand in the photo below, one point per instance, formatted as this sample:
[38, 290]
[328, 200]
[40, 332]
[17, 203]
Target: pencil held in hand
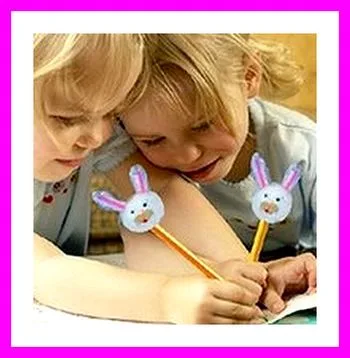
[163, 235]
[259, 240]
[143, 211]
[272, 202]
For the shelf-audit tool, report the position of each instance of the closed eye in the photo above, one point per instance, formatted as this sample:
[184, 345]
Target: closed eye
[152, 142]
[66, 121]
[202, 127]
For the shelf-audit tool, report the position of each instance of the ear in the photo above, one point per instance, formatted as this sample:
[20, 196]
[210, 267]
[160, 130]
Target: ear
[292, 176]
[139, 179]
[252, 76]
[107, 201]
[260, 170]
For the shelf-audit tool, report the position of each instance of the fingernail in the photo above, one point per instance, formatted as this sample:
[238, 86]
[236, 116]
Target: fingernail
[278, 306]
[260, 312]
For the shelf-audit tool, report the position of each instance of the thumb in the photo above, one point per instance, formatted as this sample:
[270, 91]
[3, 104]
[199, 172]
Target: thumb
[272, 301]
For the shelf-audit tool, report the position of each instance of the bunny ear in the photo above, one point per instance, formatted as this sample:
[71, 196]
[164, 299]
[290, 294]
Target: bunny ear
[107, 201]
[260, 170]
[139, 180]
[292, 176]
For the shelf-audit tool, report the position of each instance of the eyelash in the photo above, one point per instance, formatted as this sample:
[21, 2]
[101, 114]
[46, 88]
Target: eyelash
[203, 127]
[66, 122]
[152, 142]
[70, 122]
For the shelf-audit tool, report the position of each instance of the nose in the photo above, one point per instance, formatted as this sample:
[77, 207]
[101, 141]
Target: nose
[269, 207]
[144, 216]
[94, 134]
[187, 153]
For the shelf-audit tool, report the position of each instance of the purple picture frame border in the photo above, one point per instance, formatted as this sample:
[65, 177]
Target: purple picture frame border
[7, 7]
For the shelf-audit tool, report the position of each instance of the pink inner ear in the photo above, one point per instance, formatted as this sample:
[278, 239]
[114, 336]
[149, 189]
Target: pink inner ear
[140, 182]
[260, 174]
[112, 203]
[291, 180]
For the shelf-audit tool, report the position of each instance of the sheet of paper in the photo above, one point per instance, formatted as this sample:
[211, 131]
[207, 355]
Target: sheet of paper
[295, 304]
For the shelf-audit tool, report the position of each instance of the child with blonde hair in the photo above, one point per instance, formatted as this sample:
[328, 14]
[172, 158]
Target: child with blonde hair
[81, 82]
[201, 116]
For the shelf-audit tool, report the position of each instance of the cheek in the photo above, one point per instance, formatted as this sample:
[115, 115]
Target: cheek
[108, 130]
[158, 157]
[223, 142]
[43, 146]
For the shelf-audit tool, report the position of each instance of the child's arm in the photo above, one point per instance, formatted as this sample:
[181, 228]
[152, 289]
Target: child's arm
[83, 286]
[188, 216]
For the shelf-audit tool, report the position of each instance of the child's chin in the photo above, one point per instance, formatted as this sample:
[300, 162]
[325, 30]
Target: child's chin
[53, 177]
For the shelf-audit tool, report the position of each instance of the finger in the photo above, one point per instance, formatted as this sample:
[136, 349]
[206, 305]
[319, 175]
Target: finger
[249, 285]
[224, 320]
[221, 320]
[310, 266]
[272, 301]
[232, 292]
[237, 311]
[253, 271]
[311, 290]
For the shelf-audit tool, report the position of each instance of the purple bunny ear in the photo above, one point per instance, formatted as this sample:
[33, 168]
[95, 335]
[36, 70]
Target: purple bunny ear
[292, 176]
[107, 201]
[139, 180]
[260, 171]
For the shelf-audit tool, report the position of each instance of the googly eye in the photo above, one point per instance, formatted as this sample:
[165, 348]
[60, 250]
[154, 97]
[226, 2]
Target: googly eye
[144, 205]
[265, 195]
[278, 199]
[132, 212]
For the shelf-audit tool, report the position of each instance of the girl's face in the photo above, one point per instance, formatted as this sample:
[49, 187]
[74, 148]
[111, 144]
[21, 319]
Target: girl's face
[64, 135]
[201, 148]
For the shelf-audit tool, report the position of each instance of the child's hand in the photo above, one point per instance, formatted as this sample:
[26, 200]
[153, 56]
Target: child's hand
[195, 299]
[288, 276]
[252, 276]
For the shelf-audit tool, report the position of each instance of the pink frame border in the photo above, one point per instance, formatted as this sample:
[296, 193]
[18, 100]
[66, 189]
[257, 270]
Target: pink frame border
[312, 5]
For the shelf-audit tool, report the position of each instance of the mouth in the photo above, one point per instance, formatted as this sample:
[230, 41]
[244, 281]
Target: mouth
[71, 163]
[202, 172]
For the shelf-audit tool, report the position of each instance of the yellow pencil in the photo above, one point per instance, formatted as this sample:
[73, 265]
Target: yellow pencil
[259, 240]
[166, 237]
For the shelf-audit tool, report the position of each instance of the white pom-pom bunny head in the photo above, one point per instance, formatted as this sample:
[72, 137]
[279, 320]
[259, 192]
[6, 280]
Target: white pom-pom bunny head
[273, 201]
[142, 211]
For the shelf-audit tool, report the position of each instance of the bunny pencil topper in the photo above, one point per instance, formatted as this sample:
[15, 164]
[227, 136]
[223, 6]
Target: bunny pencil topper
[273, 201]
[142, 211]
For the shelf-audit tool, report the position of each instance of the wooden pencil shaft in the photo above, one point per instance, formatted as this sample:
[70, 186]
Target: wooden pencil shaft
[166, 237]
[259, 240]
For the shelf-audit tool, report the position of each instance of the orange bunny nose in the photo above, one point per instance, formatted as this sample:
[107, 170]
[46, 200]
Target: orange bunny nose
[269, 207]
[144, 216]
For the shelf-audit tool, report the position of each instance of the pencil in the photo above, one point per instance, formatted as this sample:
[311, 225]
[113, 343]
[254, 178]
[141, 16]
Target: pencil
[166, 237]
[259, 240]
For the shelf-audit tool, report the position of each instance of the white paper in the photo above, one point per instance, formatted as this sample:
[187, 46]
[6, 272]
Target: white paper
[295, 304]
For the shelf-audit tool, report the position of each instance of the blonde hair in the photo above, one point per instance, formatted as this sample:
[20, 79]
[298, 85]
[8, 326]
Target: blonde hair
[213, 63]
[282, 76]
[88, 69]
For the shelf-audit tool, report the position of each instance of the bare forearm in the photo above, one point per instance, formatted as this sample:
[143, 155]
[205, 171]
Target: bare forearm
[199, 228]
[197, 224]
[83, 286]
[189, 217]
[92, 288]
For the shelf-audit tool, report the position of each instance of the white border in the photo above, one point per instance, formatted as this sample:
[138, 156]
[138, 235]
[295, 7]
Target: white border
[325, 24]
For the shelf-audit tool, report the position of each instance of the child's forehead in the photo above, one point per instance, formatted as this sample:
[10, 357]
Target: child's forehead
[67, 98]
[157, 105]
